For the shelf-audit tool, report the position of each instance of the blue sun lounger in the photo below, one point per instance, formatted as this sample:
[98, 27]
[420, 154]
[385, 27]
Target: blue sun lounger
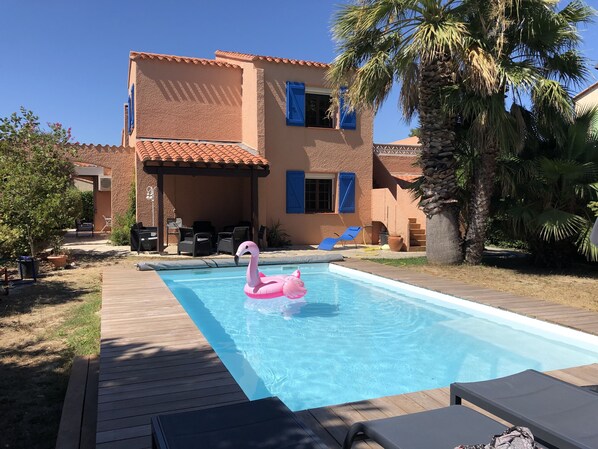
[328, 243]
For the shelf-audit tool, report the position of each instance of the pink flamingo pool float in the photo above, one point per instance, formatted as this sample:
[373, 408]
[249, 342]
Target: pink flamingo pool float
[260, 286]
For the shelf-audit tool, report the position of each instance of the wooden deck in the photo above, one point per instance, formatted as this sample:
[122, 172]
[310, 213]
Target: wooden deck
[154, 360]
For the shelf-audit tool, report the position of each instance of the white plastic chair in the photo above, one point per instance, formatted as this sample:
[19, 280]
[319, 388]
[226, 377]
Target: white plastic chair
[107, 223]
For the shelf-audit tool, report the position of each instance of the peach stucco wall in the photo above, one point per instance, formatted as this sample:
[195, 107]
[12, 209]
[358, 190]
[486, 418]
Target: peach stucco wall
[587, 100]
[119, 161]
[391, 204]
[187, 101]
[313, 150]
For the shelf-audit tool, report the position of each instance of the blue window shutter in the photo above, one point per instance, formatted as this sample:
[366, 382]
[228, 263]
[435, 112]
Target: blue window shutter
[346, 193]
[295, 104]
[132, 109]
[129, 114]
[348, 119]
[295, 192]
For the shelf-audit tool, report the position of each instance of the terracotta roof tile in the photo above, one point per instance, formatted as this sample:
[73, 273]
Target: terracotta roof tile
[206, 152]
[172, 58]
[249, 57]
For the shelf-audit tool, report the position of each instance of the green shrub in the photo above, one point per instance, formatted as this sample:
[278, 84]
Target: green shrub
[87, 206]
[121, 229]
[11, 242]
[121, 225]
[277, 237]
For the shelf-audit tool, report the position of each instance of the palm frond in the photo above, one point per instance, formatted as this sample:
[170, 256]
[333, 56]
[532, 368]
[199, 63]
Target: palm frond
[555, 224]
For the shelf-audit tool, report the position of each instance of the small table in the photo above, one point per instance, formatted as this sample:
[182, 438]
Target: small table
[264, 424]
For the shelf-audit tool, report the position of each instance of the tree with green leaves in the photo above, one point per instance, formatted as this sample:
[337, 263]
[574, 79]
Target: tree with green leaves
[37, 197]
[522, 50]
[413, 43]
[549, 188]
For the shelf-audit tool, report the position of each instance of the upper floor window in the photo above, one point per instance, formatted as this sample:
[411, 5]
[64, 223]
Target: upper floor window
[316, 110]
[309, 107]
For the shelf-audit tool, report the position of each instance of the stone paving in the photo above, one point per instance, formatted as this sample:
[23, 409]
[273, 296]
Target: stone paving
[99, 243]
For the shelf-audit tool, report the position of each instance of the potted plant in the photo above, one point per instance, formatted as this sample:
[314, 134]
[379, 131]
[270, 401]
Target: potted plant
[396, 242]
[58, 257]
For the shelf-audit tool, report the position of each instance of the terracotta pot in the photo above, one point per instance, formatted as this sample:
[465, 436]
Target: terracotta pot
[395, 242]
[58, 261]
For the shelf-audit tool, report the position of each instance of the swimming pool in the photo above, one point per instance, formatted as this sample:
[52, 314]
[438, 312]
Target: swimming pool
[357, 336]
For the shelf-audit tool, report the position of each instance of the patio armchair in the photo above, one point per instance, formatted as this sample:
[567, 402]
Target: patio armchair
[144, 238]
[205, 226]
[83, 226]
[198, 244]
[229, 242]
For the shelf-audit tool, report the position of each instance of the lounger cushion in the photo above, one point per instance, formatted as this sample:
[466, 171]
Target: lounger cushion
[444, 428]
[556, 412]
[264, 424]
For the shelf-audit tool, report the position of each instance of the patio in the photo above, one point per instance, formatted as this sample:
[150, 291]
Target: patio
[154, 360]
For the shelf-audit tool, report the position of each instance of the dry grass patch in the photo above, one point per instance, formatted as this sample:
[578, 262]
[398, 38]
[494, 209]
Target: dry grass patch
[576, 287]
[43, 326]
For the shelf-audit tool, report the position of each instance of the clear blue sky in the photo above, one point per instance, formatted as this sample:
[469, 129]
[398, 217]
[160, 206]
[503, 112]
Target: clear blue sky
[67, 59]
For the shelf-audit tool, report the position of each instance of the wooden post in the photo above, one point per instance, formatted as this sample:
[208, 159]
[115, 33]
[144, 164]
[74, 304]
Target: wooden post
[254, 205]
[160, 186]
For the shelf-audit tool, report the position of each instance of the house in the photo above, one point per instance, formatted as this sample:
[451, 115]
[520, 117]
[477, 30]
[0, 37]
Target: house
[588, 97]
[244, 138]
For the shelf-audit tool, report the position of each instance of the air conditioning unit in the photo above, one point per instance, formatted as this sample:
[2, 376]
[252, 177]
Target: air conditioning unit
[105, 183]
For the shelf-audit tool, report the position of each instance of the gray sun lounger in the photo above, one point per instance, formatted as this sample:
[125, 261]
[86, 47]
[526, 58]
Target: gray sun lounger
[444, 428]
[264, 424]
[559, 414]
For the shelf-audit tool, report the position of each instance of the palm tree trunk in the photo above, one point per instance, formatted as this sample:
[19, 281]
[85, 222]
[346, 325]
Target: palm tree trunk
[479, 205]
[438, 164]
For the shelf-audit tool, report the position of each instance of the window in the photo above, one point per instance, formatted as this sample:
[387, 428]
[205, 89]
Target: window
[318, 193]
[316, 110]
[309, 107]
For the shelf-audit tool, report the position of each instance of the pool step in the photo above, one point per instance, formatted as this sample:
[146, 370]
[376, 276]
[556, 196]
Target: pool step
[417, 236]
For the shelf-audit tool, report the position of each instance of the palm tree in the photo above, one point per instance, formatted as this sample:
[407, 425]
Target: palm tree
[524, 48]
[548, 188]
[381, 42]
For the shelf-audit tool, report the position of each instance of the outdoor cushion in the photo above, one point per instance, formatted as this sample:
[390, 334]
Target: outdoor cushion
[264, 424]
[444, 428]
[558, 413]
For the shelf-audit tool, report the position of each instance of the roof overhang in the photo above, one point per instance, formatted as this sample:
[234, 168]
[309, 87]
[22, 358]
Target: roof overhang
[200, 158]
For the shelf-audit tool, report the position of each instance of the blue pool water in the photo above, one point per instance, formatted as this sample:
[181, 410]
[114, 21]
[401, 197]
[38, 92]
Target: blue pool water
[355, 336]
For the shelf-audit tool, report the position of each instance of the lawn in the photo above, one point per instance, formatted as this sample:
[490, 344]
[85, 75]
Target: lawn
[43, 326]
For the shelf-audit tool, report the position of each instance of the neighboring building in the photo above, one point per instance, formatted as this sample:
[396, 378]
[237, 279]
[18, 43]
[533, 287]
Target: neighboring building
[587, 97]
[395, 168]
[238, 138]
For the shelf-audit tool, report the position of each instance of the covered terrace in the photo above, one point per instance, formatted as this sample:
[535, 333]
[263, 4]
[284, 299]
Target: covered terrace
[199, 180]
